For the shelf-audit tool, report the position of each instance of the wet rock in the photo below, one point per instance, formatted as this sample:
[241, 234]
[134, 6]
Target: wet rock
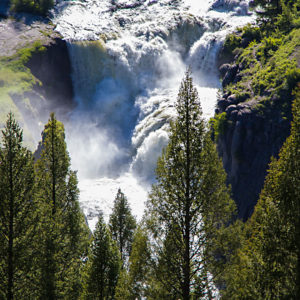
[232, 99]
[232, 116]
[230, 75]
[252, 3]
[246, 147]
[224, 68]
[230, 109]
[222, 104]
[122, 22]
[53, 68]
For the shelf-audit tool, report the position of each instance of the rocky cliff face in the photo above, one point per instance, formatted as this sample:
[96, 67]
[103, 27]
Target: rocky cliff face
[251, 136]
[53, 69]
[42, 82]
[54, 92]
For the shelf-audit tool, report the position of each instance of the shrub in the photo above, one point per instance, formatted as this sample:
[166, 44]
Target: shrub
[251, 32]
[268, 47]
[39, 7]
[218, 124]
[232, 42]
[292, 78]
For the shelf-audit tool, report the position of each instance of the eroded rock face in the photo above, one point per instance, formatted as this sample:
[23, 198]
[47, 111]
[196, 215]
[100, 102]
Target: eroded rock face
[54, 93]
[50, 65]
[53, 68]
[251, 137]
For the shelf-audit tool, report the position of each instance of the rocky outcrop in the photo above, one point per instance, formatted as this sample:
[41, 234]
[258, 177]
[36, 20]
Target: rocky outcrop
[252, 135]
[54, 92]
[52, 68]
[51, 86]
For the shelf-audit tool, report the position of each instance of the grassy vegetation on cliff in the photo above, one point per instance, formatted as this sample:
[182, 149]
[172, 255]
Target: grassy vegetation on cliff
[268, 58]
[15, 79]
[218, 124]
[270, 67]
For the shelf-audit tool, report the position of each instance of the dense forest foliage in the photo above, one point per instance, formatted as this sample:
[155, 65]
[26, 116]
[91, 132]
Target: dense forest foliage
[267, 262]
[46, 252]
[189, 244]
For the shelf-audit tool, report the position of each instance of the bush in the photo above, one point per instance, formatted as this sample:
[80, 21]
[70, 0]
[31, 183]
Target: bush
[39, 7]
[292, 78]
[218, 124]
[232, 42]
[251, 32]
[268, 47]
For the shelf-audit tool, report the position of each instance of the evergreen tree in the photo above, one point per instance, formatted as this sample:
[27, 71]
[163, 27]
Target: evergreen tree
[78, 238]
[269, 262]
[17, 208]
[122, 225]
[134, 283]
[268, 8]
[278, 220]
[63, 234]
[169, 267]
[103, 265]
[277, 13]
[190, 201]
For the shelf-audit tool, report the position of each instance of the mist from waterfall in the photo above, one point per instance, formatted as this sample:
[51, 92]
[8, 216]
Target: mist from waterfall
[128, 59]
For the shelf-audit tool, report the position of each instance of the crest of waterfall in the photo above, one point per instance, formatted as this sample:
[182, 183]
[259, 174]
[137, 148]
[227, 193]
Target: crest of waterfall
[128, 58]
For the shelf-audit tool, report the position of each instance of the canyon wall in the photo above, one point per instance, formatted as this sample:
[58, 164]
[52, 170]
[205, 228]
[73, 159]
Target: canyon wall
[256, 122]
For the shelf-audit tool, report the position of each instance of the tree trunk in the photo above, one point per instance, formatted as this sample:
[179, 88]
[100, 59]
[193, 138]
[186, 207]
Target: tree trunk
[11, 228]
[186, 270]
[53, 169]
[298, 258]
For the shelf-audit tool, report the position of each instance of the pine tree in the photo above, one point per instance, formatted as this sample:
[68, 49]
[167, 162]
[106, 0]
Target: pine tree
[63, 234]
[169, 267]
[103, 265]
[278, 219]
[190, 201]
[122, 225]
[277, 13]
[17, 209]
[268, 9]
[78, 238]
[134, 283]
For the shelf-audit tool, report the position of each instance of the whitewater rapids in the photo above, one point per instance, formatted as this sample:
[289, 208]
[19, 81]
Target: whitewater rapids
[128, 58]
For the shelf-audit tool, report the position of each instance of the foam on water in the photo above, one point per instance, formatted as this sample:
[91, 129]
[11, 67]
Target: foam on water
[99, 196]
[128, 58]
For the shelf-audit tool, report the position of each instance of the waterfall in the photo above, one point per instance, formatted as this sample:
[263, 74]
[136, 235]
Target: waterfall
[128, 58]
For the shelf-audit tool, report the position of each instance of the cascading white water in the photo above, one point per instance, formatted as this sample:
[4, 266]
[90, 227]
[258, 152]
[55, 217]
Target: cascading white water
[128, 58]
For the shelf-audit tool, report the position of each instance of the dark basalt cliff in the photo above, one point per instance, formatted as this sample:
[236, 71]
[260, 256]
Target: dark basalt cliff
[251, 136]
[52, 68]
